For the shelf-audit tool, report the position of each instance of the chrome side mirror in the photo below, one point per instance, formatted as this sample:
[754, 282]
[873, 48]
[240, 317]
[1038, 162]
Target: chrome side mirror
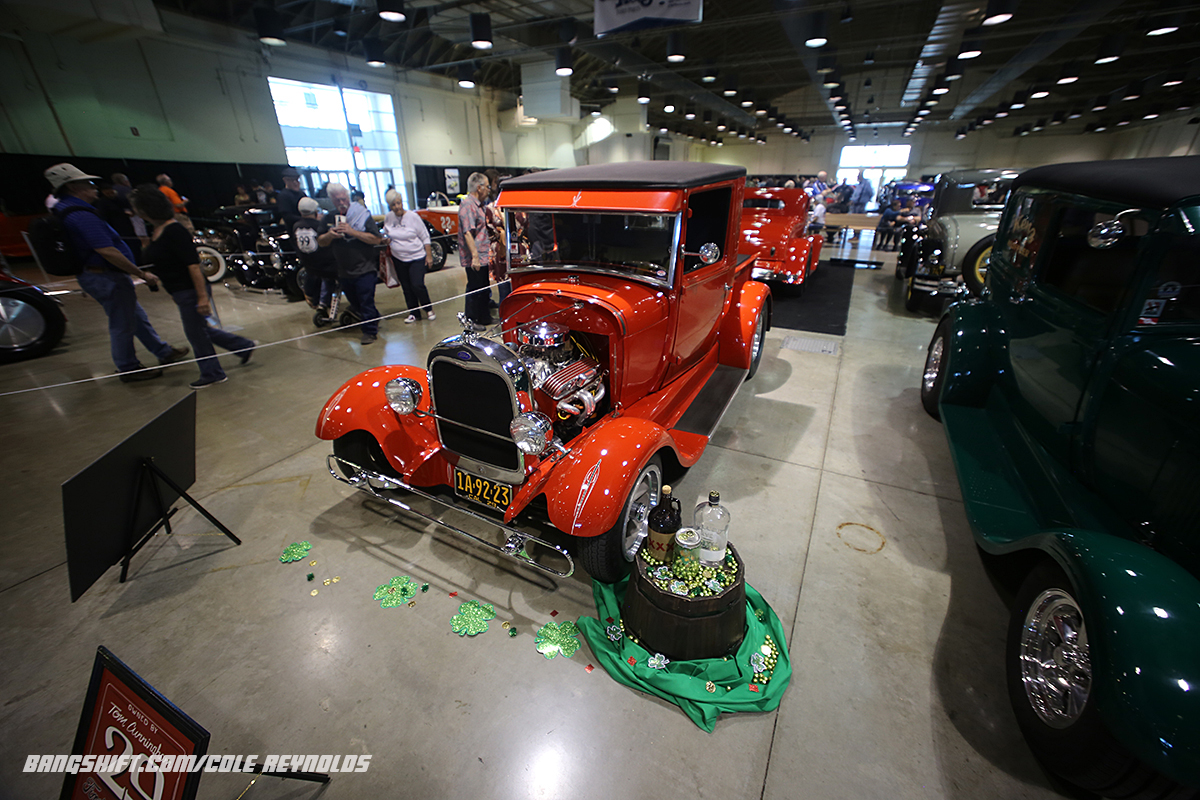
[1104, 235]
[709, 253]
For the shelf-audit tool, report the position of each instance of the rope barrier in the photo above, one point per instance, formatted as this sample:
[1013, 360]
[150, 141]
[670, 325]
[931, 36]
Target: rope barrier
[260, 346]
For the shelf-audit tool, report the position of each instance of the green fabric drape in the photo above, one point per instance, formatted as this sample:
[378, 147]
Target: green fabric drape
[683, 682]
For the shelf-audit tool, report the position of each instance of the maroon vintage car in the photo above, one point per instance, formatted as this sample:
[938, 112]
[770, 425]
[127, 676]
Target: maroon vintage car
[631, 324]
[774, 225]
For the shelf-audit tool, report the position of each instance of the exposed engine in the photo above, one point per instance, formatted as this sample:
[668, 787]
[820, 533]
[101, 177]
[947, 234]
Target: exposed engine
[567, 381]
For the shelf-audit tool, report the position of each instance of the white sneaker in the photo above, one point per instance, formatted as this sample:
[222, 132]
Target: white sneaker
[432, 316]
[410, 319]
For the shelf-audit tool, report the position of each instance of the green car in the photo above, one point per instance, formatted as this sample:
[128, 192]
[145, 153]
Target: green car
[1070, 396]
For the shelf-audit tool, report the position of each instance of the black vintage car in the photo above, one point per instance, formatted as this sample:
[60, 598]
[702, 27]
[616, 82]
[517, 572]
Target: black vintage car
[252, 244]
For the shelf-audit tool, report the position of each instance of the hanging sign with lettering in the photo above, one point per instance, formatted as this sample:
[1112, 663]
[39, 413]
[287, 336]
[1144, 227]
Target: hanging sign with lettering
[625, 15]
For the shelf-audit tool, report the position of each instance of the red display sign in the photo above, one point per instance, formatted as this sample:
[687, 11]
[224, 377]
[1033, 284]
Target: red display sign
[131, 733]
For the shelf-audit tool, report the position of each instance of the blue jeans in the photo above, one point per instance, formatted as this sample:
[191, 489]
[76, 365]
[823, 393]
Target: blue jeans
[360, 291]
[126, 318]
[203, 336]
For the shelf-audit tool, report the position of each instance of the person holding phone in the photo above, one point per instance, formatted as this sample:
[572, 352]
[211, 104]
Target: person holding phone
[353, 236]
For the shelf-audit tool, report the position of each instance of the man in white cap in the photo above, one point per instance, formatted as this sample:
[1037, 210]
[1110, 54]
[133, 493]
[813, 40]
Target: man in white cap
[320, 265]
[107, 267]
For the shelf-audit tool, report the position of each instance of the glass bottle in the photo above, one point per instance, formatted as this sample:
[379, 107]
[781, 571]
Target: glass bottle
[712, 521]
[664, 519]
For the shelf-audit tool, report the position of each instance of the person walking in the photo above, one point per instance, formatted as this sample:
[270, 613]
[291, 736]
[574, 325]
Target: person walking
[353, 235]
[108, 272]
[178, 202]
[474, 250]
[411, 253]
[173, 257]
[288, 198]
[863, 191]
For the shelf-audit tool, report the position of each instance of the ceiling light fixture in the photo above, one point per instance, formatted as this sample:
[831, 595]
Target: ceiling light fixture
[998, 12]
[611, 85]
[689, 112]
[730, 86]
[675, 53]
[269, 25]
[340, 28]
[1059, 118]
[466, 76]
[1172, 79]
[373, 50]
[669, 105]
[1111, 47]
[827, 61]
[1152, 113]
[707, 118]
[1100, 103]
[940, 86]
[868, 59]
[1133, 91]
[1019, 100]
[1002, 111]
[481, 31]
[954, 70]
[710, 75]
[970, 47]
[1039, 92]
[816, 31]
[391, 10]
[1124, 121]
[1167, 25]
[1069, 74]
[721, 126]
[832, 79]
[643, 96]
[847, 15]
[1074, 113]
[1040, 124]
[563, 67]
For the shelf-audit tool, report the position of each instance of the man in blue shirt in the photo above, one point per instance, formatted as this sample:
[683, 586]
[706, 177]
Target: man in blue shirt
[107, 267]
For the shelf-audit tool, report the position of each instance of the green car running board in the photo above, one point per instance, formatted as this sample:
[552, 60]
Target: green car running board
[514, 545]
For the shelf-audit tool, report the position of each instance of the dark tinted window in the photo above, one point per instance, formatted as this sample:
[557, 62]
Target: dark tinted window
[1096, 278]
[762, 202]
[707, 221]
[1174, 292]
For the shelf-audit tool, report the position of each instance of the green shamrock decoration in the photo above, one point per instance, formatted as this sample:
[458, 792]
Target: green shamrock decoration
[472, 618]
[557, 637]
[295, 551]
[396, 592]
[657, 661]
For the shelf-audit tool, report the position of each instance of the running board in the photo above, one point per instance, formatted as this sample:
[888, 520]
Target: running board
[514, 544]
[704, 415]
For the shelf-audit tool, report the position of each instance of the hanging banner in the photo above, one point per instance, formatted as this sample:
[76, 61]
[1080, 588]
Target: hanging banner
[624, 15]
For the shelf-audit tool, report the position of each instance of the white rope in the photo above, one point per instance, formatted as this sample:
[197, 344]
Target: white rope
[260, 346]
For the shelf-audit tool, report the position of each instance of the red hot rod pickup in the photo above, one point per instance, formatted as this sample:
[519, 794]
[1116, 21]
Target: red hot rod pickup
[774, 224]
[631, 324]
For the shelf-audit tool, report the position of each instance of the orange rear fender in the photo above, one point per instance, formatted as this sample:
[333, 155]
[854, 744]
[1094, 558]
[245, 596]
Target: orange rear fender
[737, 332]
[586, 491]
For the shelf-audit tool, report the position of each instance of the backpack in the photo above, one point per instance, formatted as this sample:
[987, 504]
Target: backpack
[52, 243]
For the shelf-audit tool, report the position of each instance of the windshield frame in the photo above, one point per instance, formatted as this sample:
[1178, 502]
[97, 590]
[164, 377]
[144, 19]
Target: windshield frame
[668, 282]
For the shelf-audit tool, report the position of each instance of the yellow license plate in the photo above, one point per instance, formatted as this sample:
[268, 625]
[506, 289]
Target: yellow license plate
[481, 490]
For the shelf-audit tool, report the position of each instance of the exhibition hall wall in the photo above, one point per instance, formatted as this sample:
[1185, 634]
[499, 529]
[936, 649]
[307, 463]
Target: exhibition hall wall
[197, 91]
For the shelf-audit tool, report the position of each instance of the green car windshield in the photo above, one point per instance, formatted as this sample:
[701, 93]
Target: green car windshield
[628, 244]
[1173, 296]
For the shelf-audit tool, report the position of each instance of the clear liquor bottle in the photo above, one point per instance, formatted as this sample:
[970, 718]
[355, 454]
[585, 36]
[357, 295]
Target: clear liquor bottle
[712, 521]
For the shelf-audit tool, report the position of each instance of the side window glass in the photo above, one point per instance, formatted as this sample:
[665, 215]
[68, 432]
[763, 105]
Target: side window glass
[1027, 225]
[1174, 293]
[707, 221]
[1096, 278]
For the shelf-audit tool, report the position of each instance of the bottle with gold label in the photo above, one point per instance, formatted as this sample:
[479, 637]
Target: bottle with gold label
[664, 519]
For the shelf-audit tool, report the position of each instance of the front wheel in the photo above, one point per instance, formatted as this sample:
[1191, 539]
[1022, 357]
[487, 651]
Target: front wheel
[212, 263]
[975, 264]
[758, 343]
[1052, 691]
[31, 324]
[607, 557]
[935, 369]
[914, 298]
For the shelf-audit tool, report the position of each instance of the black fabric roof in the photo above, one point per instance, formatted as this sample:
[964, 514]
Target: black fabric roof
[629, 175]
[1143, 182]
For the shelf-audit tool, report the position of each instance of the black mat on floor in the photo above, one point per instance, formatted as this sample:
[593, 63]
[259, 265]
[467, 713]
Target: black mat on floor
[823, 305]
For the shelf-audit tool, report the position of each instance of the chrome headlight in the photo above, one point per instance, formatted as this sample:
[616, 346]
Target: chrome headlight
[532, 431]
[403, 394]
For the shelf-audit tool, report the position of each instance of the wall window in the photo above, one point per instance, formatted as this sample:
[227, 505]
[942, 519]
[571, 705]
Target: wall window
[340, 134]
[879, 163]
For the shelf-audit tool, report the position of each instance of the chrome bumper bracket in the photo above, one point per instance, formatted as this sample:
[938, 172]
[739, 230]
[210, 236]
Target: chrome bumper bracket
[515, 545]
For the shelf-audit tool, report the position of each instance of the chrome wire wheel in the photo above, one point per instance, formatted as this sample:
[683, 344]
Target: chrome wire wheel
[645, 496]
[1055, 665]
[933, 364]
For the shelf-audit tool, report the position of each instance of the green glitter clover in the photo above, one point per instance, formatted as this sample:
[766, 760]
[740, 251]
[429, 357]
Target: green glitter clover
[557, 637]
[657, 661]
[615, 634]
[758, 662]
[396, 592]
[472, 618]
[296, 551]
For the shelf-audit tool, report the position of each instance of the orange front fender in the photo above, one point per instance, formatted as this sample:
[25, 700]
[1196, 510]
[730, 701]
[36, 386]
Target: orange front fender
[409, 442]
[737, 332]
[586, 491]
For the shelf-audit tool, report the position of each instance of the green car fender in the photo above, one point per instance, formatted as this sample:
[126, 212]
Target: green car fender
[971, 365]
[1143, 615]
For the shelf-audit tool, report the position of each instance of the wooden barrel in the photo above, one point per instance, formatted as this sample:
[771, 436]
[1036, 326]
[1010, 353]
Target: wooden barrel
[685, 628]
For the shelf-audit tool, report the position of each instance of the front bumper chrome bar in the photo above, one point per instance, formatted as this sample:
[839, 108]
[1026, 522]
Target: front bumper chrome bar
[764, 274]
[515, 543]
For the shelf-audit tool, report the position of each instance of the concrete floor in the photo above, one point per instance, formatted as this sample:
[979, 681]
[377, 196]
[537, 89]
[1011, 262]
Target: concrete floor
[845, 508]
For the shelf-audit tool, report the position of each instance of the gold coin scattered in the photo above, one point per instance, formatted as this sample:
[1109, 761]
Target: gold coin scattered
[312, 563]
[337, 578]
[504, 625]
[710, 686]
[313, 592]
[327, 581]
[412, 603]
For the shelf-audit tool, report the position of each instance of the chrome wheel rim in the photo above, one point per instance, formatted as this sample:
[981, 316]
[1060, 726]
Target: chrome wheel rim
[933, 364]
[212, 263]
[1056, 667]
[981, 266]
[20, 324]
[757, 342]
[644, 497]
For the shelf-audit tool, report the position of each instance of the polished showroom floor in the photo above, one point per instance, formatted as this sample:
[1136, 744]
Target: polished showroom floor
[845, 509]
